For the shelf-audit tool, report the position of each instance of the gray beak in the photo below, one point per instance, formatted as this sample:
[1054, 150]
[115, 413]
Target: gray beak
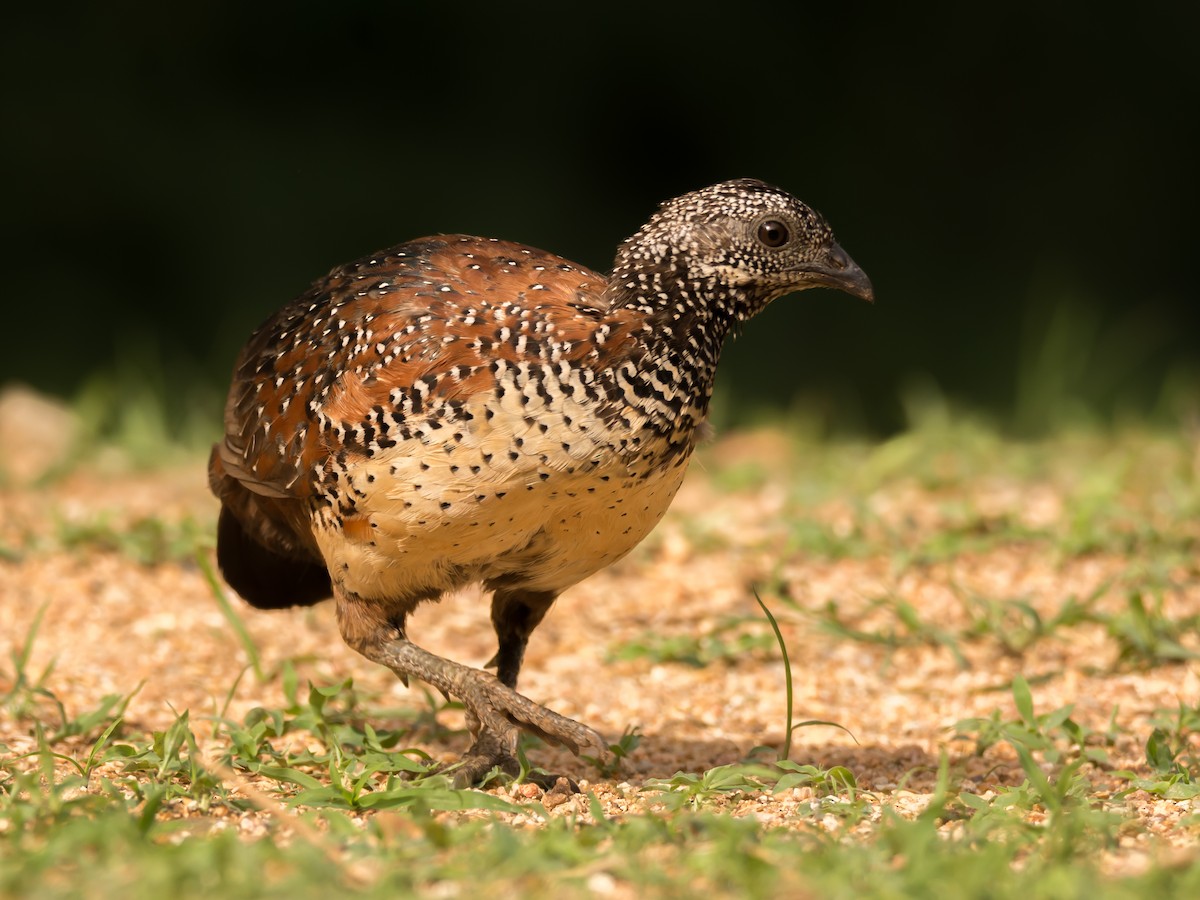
[837, 270]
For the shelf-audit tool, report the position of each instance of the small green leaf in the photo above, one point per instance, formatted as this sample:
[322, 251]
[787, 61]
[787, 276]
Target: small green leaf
[1023, 697]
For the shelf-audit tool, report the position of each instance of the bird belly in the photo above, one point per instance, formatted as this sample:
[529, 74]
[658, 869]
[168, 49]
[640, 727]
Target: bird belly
[586, 527]
[432, 521]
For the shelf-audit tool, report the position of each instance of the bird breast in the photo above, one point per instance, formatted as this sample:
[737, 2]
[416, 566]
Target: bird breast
[550, 496]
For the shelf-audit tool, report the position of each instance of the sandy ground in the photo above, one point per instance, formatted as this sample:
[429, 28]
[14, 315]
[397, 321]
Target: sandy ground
[111, 625]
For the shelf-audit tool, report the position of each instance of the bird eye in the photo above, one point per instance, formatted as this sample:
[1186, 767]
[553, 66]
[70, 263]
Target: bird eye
[773, 233]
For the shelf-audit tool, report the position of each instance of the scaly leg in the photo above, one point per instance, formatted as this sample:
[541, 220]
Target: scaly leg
[515, 613]
[499, 710]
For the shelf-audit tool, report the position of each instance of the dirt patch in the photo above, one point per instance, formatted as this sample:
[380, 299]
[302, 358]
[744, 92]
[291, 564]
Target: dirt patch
[115, 625]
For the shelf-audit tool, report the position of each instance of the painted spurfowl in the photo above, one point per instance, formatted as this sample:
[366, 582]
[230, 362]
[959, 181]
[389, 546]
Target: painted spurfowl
[461, 409]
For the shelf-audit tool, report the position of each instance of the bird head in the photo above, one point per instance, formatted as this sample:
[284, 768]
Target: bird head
[740, 243]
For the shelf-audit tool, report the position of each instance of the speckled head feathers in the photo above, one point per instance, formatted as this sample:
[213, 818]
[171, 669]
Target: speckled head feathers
[742, 242]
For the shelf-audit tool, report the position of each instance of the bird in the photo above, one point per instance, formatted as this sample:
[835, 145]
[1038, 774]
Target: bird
[461, 410]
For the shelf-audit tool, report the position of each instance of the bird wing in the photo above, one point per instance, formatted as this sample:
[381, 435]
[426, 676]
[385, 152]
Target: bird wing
[373, 353]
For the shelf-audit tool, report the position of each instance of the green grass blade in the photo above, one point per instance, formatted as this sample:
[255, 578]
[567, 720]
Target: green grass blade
[787, 674]
[230, 614]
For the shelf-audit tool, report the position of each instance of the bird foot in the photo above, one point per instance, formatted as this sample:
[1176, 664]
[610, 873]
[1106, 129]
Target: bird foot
[501, 713]
[499, 708]
[487, 755]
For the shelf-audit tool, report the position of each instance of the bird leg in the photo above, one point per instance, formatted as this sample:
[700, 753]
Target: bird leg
[499, 711]
[515, 613]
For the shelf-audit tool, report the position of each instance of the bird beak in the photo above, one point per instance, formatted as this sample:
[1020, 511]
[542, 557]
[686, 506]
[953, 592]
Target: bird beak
[837, 270]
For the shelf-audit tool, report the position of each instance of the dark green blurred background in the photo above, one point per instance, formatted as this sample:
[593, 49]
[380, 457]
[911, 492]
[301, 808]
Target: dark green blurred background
[1019, 181]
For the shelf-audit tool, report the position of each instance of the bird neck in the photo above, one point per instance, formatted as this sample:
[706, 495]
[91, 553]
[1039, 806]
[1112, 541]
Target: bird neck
[672, 364]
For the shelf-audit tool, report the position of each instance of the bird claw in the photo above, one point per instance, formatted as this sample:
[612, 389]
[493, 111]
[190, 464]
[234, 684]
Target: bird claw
[553, 728]
[502, 714]
[487, 756]
[496, 713]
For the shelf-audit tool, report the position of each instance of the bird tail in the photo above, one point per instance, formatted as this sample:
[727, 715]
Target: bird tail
[264, 578]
